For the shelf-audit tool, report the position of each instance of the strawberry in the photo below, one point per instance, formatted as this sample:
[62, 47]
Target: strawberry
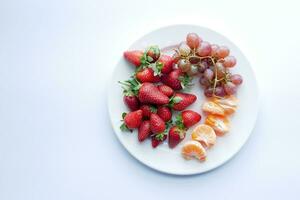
[132, 120]
[131, 102]
[167, 62]
[157, 124]
[144, 130]
[157, 139]
[134, 57]
[149, 93]
[147, 75]
[187, 119]
[148, 110]
[168, 91]
[146, 92]
[176, 135]
[164, 113]
[176, 79]
[182, 100]
[153, 53]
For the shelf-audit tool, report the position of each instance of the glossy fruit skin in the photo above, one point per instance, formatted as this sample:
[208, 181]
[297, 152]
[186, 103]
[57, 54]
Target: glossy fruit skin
[176, 135]
[168, 91]
[144, 130]
[172, 79]
[157, 124]
[147, 75]
[222, 52]
[167, 62]
[164, 113]
[184, 49]
[186, 100]
[190, 118]
[229, 61]
[184, 65]
[193, 40]
[149, 93]
[204, 49]
[133, 119]
[131, 102]
[230, 88]
[236, 79]
[214, 49]
[147, 110]
[155, 142]
[134, 57]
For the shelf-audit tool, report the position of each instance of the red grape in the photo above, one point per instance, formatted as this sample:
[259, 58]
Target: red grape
[184, 65]
[184, 49]
[230, 88]
[214, 49]
[229, 61]
[236, 79]
[209, 74]
[193, 40]
[220, 91]
[208, 92]
[204, 49]
[222, 52]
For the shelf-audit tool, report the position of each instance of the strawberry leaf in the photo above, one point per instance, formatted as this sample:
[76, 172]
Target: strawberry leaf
[174, 100]
[123, 115]
[124, 128]
[160, 136]
[153, 109]
[179, 122]
[185, 81]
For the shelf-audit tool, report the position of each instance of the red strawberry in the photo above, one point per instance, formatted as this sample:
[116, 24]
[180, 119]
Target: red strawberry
[148, 110]
[147, 75]
[149, 93]
[157, 124]
[144, 130]
[168, 91]
[153, 53]
[133, 119]
[182, 100]
[172, 79]
[131, 102]
[167, 62]
[158, 139]
[164, 113]
[176, 135]
[176, 79]
[187, 119]
[134, 57]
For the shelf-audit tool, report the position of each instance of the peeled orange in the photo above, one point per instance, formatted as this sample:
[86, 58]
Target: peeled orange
[218, 123]
[193, 149]
[205, 135]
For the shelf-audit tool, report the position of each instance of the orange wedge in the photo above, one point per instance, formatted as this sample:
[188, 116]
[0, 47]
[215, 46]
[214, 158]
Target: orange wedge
[218, 123]
[205, 135]
[229, 104]
[209, 107]
[193, 149]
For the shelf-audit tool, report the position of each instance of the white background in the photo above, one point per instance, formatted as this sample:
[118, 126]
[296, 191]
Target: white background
[56, 141]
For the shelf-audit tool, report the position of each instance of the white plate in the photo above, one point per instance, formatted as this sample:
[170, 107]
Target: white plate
[169, 160]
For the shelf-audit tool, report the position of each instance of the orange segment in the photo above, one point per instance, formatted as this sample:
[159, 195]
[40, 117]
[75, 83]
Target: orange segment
[213, 108]
[218, 123]
[205, 135]
[193, 149]
[229, 104]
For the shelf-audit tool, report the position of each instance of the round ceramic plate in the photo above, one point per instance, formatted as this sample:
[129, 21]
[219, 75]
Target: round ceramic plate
[170, 160]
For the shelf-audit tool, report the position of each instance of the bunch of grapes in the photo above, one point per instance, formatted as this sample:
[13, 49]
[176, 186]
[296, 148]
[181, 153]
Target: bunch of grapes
[211, 62]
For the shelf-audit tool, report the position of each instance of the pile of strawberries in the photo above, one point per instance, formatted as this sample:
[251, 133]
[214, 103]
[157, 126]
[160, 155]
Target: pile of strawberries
[152, 94]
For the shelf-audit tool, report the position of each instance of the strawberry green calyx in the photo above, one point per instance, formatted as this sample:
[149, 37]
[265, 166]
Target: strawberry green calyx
[123, 126]
[185, 81]
[174, 100]
[160, 136]
[179, 123]
[131, 87]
